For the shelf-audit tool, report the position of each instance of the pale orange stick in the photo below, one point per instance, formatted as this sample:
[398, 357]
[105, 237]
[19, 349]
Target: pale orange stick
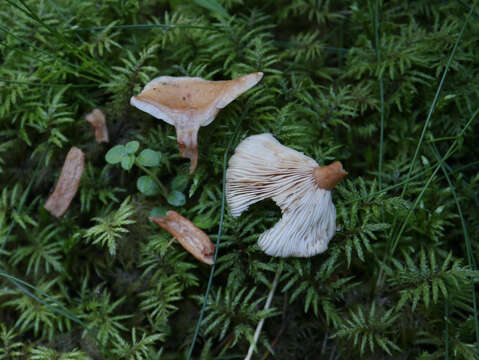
[194, 240]
[97, 120]
[68, 182]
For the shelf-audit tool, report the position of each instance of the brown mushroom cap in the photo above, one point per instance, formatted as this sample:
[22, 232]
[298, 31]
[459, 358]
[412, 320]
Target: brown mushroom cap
[263, 168]
[188, 103]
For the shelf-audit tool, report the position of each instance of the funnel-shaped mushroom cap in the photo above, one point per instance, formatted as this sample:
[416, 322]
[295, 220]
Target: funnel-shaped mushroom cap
[188, 103]
[262, 168]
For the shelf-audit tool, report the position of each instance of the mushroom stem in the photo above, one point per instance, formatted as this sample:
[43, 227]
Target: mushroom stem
[188, 144]
[327, 177]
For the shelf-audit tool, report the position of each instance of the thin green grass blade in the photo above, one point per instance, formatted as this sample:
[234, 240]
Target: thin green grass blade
[73, 66]
[446, 331]
[210, 280]
[393, 237]
[376, 24]
[147, 27]
[434, 101]
[448, 154]
[47, 84]
[218, 239]
[463, 4]
[416, 176]
[23, 285]
[444, 138]
[59, 308]
[62, 39]
[18, 282]
[470, 255]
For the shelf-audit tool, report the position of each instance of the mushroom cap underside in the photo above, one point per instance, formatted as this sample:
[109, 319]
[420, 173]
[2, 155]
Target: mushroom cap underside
[304, 230]
[263, 168]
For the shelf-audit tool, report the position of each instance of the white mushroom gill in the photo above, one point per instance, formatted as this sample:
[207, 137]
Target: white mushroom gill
[262, 168]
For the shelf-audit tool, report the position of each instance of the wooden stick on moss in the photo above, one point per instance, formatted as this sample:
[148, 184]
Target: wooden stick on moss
[261, 322]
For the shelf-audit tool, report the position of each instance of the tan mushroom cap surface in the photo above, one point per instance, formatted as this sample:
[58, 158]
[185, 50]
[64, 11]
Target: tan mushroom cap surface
[263, 168]
[190, 102]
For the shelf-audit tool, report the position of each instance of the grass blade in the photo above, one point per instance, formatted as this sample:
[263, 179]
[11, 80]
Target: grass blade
[434, 101]
[59, 308]
[62, 39]
[218, 239]
[146, 27]
[448, 154]
[467, 241]
[376, 25]
[393, 238]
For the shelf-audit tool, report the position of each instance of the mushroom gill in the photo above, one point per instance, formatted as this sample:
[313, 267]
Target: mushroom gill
[262, 168]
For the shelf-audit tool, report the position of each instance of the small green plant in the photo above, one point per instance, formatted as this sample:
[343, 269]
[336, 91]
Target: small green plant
[389, 88]
[9, 346]
[111, 227]
[370, 330]
[150, 184]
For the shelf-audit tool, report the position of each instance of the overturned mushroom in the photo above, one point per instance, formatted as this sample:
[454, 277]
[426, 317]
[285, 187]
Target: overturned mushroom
[68, 182]
[188, 103]
[263, 168]
[194, 240]
[97, 120]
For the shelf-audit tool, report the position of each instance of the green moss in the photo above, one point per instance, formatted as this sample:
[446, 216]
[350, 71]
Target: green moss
[389, 88]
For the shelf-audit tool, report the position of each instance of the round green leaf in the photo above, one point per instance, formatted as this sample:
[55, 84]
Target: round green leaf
[132, 147]
[179, 183]
[127, 162]
[149, 157]
[147, 186]
[115, 154]
[158, 211]
[176, 198]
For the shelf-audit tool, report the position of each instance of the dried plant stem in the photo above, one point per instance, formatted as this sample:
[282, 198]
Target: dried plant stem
[261, 322]
[170, 242]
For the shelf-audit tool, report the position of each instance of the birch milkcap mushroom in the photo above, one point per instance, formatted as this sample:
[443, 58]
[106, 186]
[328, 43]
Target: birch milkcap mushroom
[262, 168]
[188, 103]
